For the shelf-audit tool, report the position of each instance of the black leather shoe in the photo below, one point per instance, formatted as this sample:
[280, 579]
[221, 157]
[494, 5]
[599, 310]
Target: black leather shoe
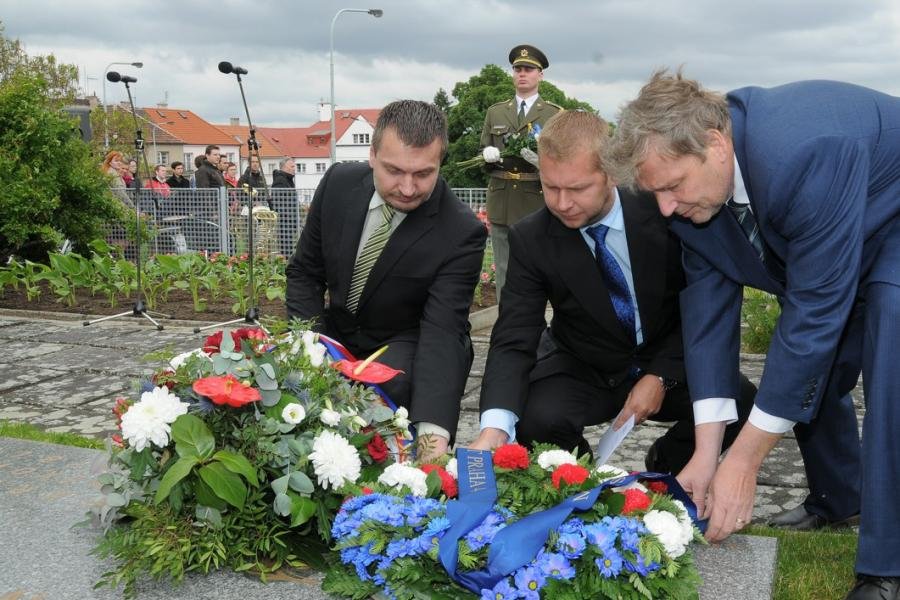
[799, 519]
[654, 462]
[872, 587]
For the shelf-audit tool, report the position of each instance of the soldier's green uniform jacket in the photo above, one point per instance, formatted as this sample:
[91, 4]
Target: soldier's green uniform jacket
[514, 189]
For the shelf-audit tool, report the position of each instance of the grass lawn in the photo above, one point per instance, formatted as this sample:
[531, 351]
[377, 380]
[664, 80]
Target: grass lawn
[30, 432]
[812, 566]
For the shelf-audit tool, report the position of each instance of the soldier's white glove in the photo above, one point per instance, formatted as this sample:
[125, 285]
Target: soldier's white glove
[491, 154]
[531, 156]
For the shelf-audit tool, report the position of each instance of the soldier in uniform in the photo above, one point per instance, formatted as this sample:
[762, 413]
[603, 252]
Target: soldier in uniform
[514, 189]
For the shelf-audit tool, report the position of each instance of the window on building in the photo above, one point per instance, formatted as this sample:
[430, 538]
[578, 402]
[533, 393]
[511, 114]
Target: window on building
[320, 167]
[271, 167]
[162, 158]
[301, 168]
[189, 162]
[360, 138]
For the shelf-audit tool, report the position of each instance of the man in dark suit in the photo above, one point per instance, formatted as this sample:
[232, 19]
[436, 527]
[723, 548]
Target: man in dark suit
[814, 172]
[614, 346]
[414, 291]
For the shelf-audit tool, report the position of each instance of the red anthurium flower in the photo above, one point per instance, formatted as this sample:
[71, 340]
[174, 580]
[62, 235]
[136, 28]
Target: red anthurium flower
[448, 484]
[511, 456]
[374, 372]
[226, 390]
[377, 449]
[569, 474]
[635, 500]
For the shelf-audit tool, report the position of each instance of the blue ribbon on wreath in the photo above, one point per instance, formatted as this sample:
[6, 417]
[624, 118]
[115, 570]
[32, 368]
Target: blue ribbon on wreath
[518, 543]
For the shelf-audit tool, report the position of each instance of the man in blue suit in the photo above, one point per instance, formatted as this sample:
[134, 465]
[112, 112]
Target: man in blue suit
[810, 172]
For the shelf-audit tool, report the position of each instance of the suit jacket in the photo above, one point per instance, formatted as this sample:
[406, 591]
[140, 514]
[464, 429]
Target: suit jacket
[419, 290]
[509, 200]
[821, 164]
[549, 261]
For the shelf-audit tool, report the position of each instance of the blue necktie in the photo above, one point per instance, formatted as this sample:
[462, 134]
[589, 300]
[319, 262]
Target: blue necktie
[615, 282]
[747, 221]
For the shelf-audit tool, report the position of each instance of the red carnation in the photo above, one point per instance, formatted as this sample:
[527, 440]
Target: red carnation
[659, 487]
[448, 484]
[366, 491]
[569, 474]
[511, 456]
[165, 378]
[635, 500]
[377, 449]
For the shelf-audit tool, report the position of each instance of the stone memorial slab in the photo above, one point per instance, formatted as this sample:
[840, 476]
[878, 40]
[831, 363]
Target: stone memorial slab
[45, 489]
[70, 391]
[17, 375]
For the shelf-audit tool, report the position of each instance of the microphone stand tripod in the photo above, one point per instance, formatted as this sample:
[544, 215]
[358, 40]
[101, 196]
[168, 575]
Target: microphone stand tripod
[251, 317]
[138, 309]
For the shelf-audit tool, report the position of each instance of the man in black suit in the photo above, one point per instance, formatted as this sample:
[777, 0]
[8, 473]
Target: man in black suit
[416, 296]
[611, 270]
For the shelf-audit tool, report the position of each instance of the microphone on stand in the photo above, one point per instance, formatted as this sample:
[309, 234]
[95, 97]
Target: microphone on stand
[227, 68]
[116, 78]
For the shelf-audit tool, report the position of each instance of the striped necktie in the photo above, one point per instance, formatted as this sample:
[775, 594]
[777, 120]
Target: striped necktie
[615, 282]
[748, 223]
[366, 260]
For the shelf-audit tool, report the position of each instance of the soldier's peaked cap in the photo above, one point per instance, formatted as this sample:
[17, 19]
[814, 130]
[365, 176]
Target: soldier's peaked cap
[525, 54]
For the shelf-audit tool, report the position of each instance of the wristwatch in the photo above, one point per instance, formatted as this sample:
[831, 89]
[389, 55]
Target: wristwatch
[667, 383]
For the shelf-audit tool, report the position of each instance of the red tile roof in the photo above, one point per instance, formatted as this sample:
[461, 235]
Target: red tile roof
[313, 141]
[268, 148]
[188, 127]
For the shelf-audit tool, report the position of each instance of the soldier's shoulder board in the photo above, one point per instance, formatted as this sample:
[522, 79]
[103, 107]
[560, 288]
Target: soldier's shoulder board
[501, 103]
[554, 105]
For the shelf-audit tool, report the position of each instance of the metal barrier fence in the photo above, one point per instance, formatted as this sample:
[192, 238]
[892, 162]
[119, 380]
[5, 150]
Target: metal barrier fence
[216, 220]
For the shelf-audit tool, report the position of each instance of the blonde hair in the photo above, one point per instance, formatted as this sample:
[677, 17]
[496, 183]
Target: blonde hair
[568, 132]
[672, 113]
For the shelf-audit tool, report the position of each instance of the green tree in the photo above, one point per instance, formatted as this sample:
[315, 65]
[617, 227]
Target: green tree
[51, 185]
[61, 79]
[465, 117]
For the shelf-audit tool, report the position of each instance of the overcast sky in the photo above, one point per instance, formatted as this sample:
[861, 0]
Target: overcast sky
[600, 51]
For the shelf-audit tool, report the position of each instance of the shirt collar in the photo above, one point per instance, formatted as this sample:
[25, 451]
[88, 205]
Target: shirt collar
[614, 219]
[529, 101]
[740, 192]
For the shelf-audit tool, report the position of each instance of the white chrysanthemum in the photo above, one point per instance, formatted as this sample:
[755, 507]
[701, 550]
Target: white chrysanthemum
[666, 527]
[550, 459]
[401, 418]
[687, 525]
[334, 460]
[149, 420]
[179, 360]
[452, 468]
[615, 473]
[399, 474]
[293, 413]
[314, 350]
[332, 418]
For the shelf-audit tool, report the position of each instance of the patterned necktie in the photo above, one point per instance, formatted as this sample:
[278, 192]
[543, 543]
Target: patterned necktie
[614, 279]
[748, 223]
[522, 113]
[366, 260]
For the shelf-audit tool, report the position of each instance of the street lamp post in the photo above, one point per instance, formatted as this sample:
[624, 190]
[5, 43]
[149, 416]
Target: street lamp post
[137, 64]
[375, 12]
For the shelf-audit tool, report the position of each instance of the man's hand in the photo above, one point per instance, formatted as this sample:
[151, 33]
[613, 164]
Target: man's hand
[699, 471]
[430, 447]
[491, 154]
[644, 400]
[732, 491]
[489, 438]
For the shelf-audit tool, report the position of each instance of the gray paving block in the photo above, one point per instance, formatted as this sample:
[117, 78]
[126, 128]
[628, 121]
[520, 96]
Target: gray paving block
[16, 375]
[74, 390]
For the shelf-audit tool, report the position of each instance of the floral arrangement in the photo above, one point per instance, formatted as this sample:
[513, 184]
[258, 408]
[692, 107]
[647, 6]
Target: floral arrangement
[631, 543]
[523, 145]
[239, 454]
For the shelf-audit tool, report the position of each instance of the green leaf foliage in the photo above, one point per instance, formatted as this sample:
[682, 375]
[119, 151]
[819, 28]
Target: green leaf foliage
[237, 463]
[192, 437]
[178, 471]
[224, 484]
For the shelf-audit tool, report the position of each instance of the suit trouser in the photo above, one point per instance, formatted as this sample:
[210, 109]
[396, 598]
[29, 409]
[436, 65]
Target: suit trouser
[879, 529]
[560, 406]
[500, 247]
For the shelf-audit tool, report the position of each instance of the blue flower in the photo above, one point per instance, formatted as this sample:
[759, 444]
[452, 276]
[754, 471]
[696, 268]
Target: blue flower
[614, 523]
[554, 565]
[529, 582]
[481, 536]
[641, 566]
[571, 545]
[598, 534]
[572, 526]
[436, 527]
[610, 565]
[501, 591]
[630, 540]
